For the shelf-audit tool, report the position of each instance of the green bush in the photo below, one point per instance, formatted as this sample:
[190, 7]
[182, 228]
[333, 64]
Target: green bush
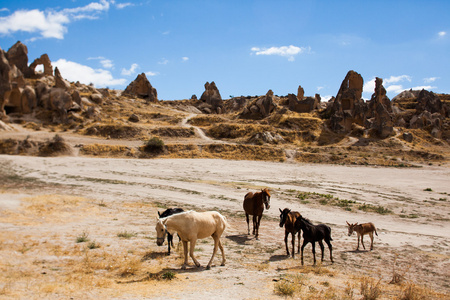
[154, 145]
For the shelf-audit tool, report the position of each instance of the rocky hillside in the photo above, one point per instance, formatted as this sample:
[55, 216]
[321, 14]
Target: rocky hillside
[41, 113]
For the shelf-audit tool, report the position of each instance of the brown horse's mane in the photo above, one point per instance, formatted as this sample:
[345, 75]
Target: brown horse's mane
[267, 191]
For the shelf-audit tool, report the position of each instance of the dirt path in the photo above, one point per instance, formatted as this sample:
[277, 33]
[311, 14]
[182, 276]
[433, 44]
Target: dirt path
[124, 195]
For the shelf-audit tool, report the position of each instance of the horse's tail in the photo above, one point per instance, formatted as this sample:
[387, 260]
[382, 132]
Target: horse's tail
[376, 232]
[225, 222]
[329, 233]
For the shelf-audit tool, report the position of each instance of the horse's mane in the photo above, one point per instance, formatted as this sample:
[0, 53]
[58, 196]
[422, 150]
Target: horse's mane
[267, 191]
[181, 213]
[308, 221]
[171, 211]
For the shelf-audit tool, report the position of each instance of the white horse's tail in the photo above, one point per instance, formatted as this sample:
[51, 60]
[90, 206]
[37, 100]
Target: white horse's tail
[225, 221]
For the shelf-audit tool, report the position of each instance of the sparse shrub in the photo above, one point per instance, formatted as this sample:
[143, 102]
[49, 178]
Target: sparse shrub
[129, 266]
[285, 288]
[413, 292]
[378, 209]
[428, 190]
[56, 146]
[169, 275]
[83, 237]
[154, 145]
[370, 290]
[290, 285]
[93, 245]
[126, 235]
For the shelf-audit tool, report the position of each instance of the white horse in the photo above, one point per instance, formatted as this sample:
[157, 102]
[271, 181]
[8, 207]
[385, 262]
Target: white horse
[191, 226]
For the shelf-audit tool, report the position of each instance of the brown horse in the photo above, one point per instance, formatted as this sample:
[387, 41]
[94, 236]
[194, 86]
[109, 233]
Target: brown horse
[287, 219]
[361, 230]
[254, 205]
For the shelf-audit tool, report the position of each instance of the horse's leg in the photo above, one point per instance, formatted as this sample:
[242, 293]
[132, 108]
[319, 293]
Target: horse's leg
[248, 223]
[314, 251]
[357, 248]
[258, 221]
[286, 235]
[299, 232]
[331, 249]
[223, 254]
[216, 243]
[321, 248]
[185, 250]
[362, 241]
[169, 241]
[303, 247]
[191, 252]
[371, 240]
[293, 244]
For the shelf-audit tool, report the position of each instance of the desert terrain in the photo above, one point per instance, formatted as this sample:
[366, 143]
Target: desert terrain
[85, 171]
[83, 228]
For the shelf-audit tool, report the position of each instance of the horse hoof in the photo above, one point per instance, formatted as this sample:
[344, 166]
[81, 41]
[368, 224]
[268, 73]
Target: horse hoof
[208, 267]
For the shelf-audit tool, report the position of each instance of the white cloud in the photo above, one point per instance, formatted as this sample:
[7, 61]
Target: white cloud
[424, 87]
[430, 79]
[131, 70]
[103, 5]
[123, 5]
[285, 51]
[49, 23]
[396, 88]
[442, 33]
[320, 88]
[106, 63]
[73, 71]
[163, 62]
[185, 58]
[369, 86]
[395, 79]
[150, 73]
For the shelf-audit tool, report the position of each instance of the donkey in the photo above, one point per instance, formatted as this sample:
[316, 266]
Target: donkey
[287, 219]
[254, 205]
[166, 213]
[361, 230]
[314, 233]
[191, 226]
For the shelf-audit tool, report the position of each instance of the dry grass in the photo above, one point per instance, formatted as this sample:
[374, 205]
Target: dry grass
[104, 150]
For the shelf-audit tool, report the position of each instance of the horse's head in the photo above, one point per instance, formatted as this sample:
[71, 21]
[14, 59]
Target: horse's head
[351, 228]
[283, 216]
[266, 197]
[160, 232]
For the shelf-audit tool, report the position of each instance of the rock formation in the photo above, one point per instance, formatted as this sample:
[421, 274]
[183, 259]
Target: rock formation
[60, 82]
[5, 83]
[18, 56]
[45, 61]
[260, 108]
[142, 88]
[379, 108]
[211, 96]
[348, 107]
[300, 93]
[305, 105]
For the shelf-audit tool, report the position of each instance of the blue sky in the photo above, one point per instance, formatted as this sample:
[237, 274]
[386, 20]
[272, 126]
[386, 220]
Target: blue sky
[246, 47]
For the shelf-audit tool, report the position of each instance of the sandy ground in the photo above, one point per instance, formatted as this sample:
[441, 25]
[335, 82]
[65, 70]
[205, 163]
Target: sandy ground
[102, 197]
